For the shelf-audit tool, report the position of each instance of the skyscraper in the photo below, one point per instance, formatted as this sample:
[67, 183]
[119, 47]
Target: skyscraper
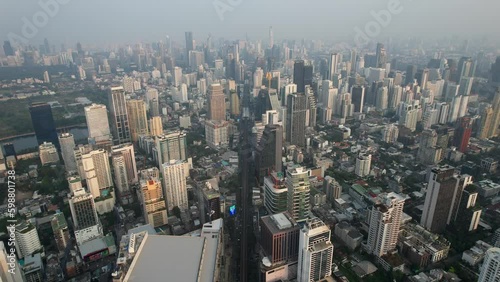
[462, 134]
[189, 44]
[171, 146]
[411, 70]
[490, 269]
[280, 237]
[85, 220]
[302, 75]
[97, 172]
[174, 184]
[296, 119]
[381, 56]
[153, 202]
[216, 103]
[299, 188]
[315, 251]
[67, 143]
[275, 193]
[43, 123]
[442, 198]
[48, 153]
[7, 48]
[60, 230]
[358, 97]
[384, 221]
[333, 62]
[493, 131]
[127, 150]
[27, 240]
[119, 115]
[269, 150]
[6, 264]
[156, 126]
[138, 120]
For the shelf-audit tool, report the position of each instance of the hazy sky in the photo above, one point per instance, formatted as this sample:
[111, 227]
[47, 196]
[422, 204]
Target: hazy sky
[127, 21]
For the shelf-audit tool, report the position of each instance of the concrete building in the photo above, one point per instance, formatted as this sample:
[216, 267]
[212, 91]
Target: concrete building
[296, 119]
[216, 133]
[96, 116]
[348, 234]
[7, 263]
[83, 211]
[48, 153]
[61, 231]
[363, 165]
[280, 237]
[67, 143]
[27, 240]
[174, 184]
[137, 118]
[171, 146]
[490, 270]
[153, 202]
[216, 103]
[97, 173]
[155, 126]
[275, 193]
[315, 252]
[384, 221]
[332, 189]
[119, 115]
[299, 189]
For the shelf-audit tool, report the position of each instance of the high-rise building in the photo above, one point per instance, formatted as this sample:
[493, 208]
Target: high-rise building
[469, 212]
[411, 71]
[269, 150]
[493, 131]
[381, 56]
[442, 198]
[48, 153]
[85, 220]
[43, 123]
[98, 124]
[156, 126]
[174, 184]
[275, 193]
[384, 221]
[363, 165]
[97, 172]
[171, 146]
[137, 117]
[302, 75]
[216, 103]
[390, 133]
[127, 151]
[177, 76]
[490, 269]
[495, 72]
[429, 153]
[7, 48]
[67, 143]
[153, 202]
[189, 44]
[119, 115]
[27, 240]
[296, 119]
[466, 68]
[235, 104]
[280, 237]
[216, 133]
[315, 252]
[358, 97]
[332, 189]
[299, 191]
[382, 99]
[333, 63]
[409, 114]
[487, 115]
[462, 134]
[61, 231]
[7, 263]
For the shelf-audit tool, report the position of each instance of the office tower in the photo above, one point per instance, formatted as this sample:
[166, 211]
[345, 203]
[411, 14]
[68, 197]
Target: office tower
[151, 94]
[211, 203]
[85, 220]
[271, 37]
[428, 151]
[411, 71]
[422, 77]
[493, 131]
[297, 183]
[189, 44]
[138, 121]
[27, 240]
[156, 126]
[442, 198]
[121, 177]
[343, 106]
[127, 151]
[486, 120]
[302, 75]
[409, 114]
[60, 230]
[7, 49]
[216, 103]
[46, 77]
[490, 269]
[275, 192]
[332, 188]
[363, 165]
[269, 151]
[465, 86]
[384, 221]
[98, 124]
[171, 146]
[395, 94]
[43, 123]
[390, 133]
[174, 184]
[153, 202]
[358, 97]
[196, 59]
[258, 77]
[119, 115]
[311, 113]
[333, 62]
[177, 76]
[382, 99]
[97, 172]
[48, 153]
[7, 264]
[67, 143]
[315, 251]
[469, 212]
[217, 133]
[466, 68]
[279, 237]
[455, 108]
[495, 71]
[381, 56]
[443, 109]
[235, 104]
[462, 134]
[296, 118]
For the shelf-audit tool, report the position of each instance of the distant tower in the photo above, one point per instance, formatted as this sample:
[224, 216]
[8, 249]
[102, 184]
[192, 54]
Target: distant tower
[119, 115]
[46, 77]
[462, 134]
[296, 119]
[7, 49]
[216, 103]
[271, 38]
[315, 251]
[189, 44]
[490, 270]
[67, 143]
[43, 123]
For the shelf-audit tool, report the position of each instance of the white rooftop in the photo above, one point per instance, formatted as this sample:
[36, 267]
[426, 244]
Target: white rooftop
[282, 222]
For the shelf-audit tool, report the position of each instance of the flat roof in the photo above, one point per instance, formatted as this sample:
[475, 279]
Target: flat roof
[172, 258]
[281, 221]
